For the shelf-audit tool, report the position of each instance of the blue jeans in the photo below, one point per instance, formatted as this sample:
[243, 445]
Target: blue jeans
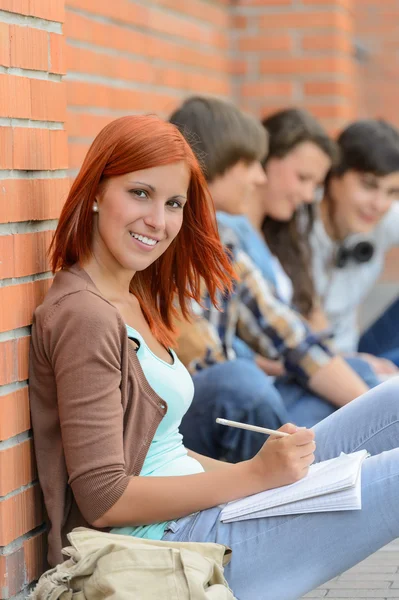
[382, 338]
[304, 407]
[285, 557]
[237, 390]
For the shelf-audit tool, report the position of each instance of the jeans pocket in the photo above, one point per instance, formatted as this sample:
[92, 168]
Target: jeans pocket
[180, 529]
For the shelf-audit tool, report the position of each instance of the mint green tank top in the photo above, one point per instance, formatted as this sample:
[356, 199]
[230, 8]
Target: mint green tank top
[167, 454]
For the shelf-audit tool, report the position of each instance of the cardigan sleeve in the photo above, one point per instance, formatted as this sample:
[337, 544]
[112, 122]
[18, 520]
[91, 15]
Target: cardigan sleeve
[82, 340]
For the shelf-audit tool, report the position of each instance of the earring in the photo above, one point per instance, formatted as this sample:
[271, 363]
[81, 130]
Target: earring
[95, 208]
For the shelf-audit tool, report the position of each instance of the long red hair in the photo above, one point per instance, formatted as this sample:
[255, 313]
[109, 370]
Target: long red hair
[196, 255]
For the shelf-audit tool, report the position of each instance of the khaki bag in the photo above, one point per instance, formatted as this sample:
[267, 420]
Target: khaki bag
[121, 567]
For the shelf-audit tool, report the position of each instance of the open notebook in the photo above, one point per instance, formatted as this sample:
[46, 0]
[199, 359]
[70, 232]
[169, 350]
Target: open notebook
[330, 485]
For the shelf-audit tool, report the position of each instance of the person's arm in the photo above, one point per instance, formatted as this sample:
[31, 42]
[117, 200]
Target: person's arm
[208, 464]
[273, 329]
[85, 353]
[153, 499]
[317, 319]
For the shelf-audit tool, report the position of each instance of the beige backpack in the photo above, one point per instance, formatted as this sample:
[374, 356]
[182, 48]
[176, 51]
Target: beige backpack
[120, 567]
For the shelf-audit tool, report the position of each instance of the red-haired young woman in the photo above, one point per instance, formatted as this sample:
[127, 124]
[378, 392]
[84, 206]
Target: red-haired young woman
[107, 392]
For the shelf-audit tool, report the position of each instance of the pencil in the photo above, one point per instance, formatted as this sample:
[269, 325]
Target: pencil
[251, 427]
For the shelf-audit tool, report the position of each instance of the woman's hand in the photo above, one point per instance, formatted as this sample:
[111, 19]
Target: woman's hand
[284, 460]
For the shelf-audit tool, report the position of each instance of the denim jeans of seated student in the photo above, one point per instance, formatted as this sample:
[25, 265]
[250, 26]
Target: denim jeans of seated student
[305, 408]
[282, 558]
[237, 390]
[382, 337]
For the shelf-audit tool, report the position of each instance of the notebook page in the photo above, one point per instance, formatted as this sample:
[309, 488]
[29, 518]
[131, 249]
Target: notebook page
[323, 478]
[347, 499]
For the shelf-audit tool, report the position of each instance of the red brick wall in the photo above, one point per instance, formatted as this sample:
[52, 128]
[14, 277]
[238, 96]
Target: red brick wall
[377, 38]
[33, 184]
[299, 53]
[125, 57]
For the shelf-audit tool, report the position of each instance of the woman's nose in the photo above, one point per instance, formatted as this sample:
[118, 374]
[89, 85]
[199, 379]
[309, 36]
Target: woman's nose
[155, 217]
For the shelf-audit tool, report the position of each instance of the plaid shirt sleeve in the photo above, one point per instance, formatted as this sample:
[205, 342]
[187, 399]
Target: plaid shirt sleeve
[273, 329]
[198, 342]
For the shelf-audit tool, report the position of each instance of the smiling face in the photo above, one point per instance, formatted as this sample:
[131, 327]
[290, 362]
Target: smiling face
[293, 180]
[139, 215]
[360, 200]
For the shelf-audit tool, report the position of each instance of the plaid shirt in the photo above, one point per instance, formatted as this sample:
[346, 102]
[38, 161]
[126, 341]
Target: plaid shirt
[255, 314]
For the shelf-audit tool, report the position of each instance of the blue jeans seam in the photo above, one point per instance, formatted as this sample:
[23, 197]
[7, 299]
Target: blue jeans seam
[374, 434]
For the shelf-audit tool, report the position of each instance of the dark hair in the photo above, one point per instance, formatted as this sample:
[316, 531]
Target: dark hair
[219, 133]
[368, 146]
[289, 241]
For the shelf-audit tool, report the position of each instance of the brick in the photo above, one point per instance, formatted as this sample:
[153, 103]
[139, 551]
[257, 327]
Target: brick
[239, 22]
[268, 3]
[18, 302]
[82, 60]
[348, 4]
[31, 148]
[19, 198]
[214, 13]
[84, 125]
[16, 6]
[14, 355]
[330, 88]
[6, 256]
[238, 67]
[28, 48]
[268, 88]
[21, 566]
[57, 62]
[52, 10]
[6, 148]
[4, 45]
[77, 152]
[24, 254]
[84, 29]
[17, 467]
[265, 43]
[35, 549]
[303, 65]
[59, 149]
[48, 100]
[19, 514]
[140, 15]
[92, 95]
[39, 149]
[307, 20]
[332, 111]
[30, 253]
[327, 42]
[15, 97]
[14, 414]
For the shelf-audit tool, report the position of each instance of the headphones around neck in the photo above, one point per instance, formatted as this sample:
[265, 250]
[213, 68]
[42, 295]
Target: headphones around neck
[360, 253]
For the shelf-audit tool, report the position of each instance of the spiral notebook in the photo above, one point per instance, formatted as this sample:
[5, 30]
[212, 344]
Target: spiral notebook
[330, 485]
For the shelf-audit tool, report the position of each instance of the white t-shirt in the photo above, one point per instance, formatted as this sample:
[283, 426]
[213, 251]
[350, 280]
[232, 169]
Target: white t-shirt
[341, 291]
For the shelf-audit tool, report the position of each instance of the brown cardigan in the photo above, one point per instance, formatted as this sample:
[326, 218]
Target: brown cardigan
[93, 413]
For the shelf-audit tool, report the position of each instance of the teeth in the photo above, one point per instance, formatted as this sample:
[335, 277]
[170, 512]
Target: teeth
[144, 239]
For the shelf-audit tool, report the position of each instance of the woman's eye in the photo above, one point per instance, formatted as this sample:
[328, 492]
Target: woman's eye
[139, 193]
[175, 204]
